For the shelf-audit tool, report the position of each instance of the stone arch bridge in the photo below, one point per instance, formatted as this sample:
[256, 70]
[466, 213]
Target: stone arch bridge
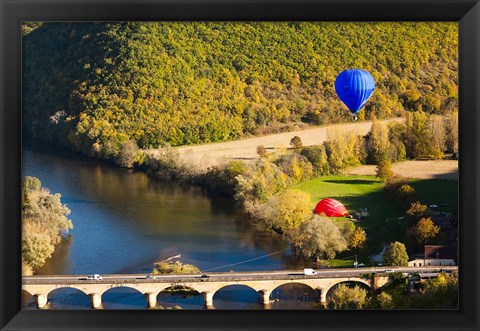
[264, 283]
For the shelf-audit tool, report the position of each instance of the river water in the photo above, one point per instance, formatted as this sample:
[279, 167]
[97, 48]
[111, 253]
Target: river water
[123, 222]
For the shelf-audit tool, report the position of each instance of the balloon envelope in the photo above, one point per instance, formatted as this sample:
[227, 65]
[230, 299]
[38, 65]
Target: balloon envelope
[354, 87]
[331, 208]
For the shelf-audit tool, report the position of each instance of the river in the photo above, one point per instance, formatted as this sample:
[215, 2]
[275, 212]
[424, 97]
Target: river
[124, 222]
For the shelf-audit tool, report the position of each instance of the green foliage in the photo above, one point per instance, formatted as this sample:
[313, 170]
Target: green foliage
[437, 293]
[95, 86]
[260, 181]
[317, 156]
[320, 237]
[174, 268]
[345, 297]
[396, 255]
[222, 179]
[384, 301]
[44, 221]
[400, 190]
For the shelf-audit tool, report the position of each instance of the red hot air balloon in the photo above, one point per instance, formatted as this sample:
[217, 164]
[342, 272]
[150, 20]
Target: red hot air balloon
[331, 208]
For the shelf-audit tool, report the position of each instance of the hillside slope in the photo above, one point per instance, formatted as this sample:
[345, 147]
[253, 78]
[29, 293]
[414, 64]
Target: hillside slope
[94, 86]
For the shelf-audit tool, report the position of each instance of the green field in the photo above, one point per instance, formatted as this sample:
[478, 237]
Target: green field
[383, 224]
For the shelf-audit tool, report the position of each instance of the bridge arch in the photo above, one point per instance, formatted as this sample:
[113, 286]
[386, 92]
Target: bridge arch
[355, 281]
[292, 282]
[126, 296]
[28, 299]
[236, 296]
[68, 297]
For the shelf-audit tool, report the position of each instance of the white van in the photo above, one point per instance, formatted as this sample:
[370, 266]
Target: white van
[309, 272]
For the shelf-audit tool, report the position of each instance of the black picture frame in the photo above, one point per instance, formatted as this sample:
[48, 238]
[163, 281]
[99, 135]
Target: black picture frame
[465, 12]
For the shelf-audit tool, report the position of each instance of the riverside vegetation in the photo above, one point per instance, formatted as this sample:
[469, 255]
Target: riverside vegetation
[44, 221]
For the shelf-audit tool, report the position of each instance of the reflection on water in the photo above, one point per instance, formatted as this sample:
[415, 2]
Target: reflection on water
[123, 222]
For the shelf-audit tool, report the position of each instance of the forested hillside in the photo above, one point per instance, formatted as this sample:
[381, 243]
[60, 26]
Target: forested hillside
[96, 86]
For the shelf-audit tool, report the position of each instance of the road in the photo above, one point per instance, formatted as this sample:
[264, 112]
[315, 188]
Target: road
[202, 156]
[231, 276]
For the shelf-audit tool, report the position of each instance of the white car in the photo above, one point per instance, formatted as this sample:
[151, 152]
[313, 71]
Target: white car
[94, 277]
[309, 272]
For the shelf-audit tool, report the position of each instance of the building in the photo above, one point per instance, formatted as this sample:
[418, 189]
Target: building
[435, 255]
[430, 262]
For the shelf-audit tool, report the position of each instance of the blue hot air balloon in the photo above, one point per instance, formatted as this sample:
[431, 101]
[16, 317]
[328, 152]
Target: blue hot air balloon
[354, 87]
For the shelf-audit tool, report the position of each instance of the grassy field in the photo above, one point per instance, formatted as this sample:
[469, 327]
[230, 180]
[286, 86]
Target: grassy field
[383, 225]
[434, 191]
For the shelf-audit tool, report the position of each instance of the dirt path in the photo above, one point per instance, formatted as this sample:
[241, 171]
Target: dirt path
[439, 169]
[203, 156]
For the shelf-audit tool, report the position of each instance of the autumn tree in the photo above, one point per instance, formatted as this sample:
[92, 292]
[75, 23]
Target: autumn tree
[396, 255]
[417, 209]
[289, 210]
[358, 238]
[451, 130]
[320, 237]
[345, 297]
[378, 143]
[384, 170]
[436, 126]
[424, 231]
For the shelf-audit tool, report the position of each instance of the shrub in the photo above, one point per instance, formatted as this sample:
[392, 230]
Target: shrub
[128, 154]
[345, 297]
[261, 151]
[384, 170]
[176, 267]
[417, 209]
[406, 195]
[296, 166]
[296, 142]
